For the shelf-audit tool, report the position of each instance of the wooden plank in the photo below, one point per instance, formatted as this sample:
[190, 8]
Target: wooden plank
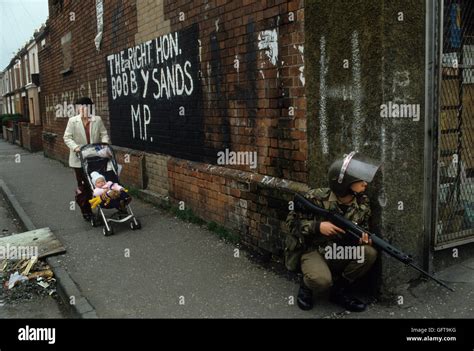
[40, 242]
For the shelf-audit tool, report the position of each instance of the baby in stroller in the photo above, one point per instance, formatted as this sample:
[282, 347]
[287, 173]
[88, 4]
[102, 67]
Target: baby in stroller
[99, 164]
[108, 194]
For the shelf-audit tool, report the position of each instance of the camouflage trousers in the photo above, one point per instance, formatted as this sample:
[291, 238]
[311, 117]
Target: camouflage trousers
[319, 272]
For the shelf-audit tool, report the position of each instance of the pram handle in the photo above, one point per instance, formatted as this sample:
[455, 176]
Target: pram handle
[95, 144]
[114, 161]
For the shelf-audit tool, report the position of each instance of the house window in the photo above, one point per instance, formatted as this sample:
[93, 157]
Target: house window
[33, 63]
[12, 79]
[20, 78]
[27, 70]
[32, 111]
[15, 78]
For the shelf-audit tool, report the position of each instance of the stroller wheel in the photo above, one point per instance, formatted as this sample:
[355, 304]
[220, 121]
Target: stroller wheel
[135, 224]
[107, 232]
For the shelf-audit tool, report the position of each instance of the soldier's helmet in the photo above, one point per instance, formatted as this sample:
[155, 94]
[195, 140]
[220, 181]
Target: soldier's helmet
[350, 169]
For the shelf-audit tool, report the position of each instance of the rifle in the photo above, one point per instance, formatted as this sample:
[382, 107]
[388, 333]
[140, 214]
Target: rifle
[304, 205]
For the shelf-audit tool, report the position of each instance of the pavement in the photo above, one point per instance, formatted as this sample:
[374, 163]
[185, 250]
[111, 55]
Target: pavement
[37, 306]
[174, 269]
[9, 224]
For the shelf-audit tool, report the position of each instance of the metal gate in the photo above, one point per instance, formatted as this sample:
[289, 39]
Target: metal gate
[455, 188]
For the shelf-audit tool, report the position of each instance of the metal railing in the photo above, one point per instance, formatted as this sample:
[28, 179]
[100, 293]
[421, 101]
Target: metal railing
[455, 201]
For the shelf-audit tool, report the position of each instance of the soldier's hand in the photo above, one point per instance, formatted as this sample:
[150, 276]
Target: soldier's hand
[365, 240]
[328, 229]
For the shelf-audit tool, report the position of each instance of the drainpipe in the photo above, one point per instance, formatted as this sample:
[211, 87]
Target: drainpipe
[433, 52]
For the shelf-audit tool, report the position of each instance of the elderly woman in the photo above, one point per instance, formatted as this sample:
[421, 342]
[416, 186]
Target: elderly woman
[83, 129]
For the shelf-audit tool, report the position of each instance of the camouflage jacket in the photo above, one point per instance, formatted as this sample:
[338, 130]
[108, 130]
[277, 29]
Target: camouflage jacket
[303, 238]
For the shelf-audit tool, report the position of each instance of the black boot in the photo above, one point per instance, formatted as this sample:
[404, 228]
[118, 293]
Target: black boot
[305, 298]
[340, 296]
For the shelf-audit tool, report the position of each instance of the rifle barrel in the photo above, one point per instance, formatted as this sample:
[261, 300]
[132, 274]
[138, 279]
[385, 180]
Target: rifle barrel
[430, 276]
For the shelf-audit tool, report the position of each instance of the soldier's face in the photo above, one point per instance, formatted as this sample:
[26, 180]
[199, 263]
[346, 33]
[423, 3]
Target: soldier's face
[359, 187]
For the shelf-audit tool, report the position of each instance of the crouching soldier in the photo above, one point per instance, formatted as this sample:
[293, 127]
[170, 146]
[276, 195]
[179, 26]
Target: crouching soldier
[310, 237]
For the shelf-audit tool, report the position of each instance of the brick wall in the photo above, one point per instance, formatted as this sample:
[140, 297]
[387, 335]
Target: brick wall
[249, 108]
[132, 166]
[251, 79]
[31, 137]
[251, 204]
[156, 170]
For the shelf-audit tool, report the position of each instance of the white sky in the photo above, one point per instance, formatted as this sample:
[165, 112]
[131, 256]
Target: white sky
[18, 21]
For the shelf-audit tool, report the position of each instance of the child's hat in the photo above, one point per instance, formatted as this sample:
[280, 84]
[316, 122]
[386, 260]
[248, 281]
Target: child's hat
[95, 176]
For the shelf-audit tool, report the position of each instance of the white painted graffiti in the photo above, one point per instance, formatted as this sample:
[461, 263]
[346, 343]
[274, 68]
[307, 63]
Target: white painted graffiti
[323, 128]
[130, 70]
[95, 89]
[148, 79]
[357, 88]
[352, 92]
[268, 41]
[301, 51]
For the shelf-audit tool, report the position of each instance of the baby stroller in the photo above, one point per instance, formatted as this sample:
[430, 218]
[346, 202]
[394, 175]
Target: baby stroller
[101, 158]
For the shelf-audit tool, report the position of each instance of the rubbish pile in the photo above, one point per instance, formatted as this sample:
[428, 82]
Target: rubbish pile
[25, 279]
